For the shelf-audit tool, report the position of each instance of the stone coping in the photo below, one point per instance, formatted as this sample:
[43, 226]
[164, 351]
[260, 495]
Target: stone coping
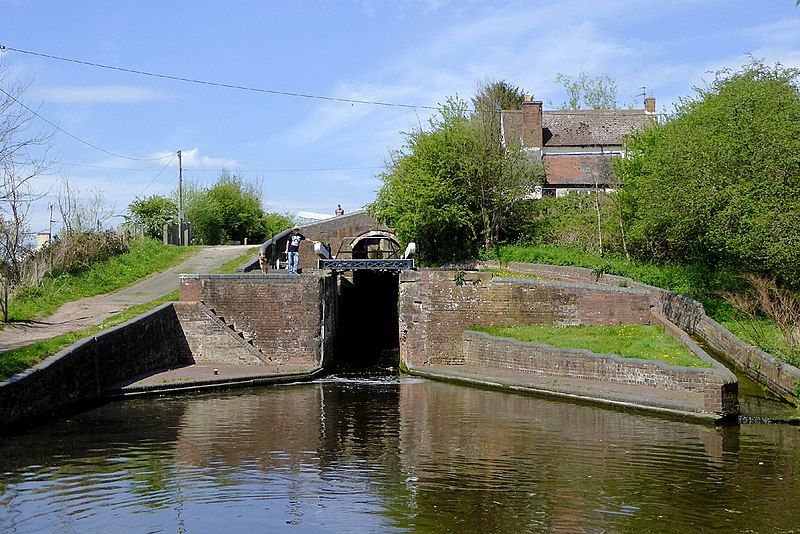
[250, 276]
[560, 283]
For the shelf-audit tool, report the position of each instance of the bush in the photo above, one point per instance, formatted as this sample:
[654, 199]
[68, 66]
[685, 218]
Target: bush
[153, 213]
[717, 184]
[78, 251]
[571, 221]
[230, 209]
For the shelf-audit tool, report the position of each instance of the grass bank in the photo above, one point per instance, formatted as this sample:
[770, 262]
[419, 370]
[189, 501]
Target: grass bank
[145, 257]
[628, 341]
[17, 360]
[698, 282]
[229, 267]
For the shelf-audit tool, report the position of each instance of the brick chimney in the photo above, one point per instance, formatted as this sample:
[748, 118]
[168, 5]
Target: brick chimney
[650, 104]
[531, 122]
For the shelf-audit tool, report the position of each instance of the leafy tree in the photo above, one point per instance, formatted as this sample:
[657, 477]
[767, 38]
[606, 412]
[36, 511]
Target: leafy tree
[454, 189]
[238, 204]
[153, 213]
[719, 183]
[274, 223]
[228, 210]
[588, 92]
[491, 97]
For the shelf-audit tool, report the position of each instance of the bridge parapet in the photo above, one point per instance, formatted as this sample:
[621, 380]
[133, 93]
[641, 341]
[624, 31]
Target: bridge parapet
[332, 231]
[396, 264]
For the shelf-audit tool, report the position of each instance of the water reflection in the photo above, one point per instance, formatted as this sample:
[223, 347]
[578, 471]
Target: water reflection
[399, 454]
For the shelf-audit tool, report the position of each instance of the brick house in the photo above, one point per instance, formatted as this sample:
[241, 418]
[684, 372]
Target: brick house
[576, 146]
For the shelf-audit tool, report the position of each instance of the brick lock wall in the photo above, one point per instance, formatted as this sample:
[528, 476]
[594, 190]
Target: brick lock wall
[435, 311]
[284, 315]
[718, 395]
[83, 371]
[210, 341]
[781, 378]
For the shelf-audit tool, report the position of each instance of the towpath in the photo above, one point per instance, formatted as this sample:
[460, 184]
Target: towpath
[92, 311]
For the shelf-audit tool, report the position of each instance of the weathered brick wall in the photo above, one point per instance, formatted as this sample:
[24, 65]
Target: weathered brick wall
[781, 378]
[719, 393]
[288, 317]
[210, 341]
[435, 310]
[84, 370]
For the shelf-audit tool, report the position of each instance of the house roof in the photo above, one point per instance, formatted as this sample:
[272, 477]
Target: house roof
[583, 127]
[590, 126]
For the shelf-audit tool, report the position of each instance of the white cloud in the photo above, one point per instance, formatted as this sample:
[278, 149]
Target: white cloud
[193, 160]
[785, 31]
[330, 117]
[115, 94]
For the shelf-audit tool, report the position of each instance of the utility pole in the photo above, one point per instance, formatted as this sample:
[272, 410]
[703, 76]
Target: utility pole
[50, 232]
[180, 199]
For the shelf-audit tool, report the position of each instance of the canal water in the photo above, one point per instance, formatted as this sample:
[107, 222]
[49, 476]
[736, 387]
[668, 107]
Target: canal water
[382, 452]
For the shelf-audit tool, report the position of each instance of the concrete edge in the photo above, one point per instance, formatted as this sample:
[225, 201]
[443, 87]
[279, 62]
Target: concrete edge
[573, 396]
[208, 385]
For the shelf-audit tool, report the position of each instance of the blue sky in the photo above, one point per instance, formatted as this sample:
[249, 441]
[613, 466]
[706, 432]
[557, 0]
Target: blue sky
[402, 51]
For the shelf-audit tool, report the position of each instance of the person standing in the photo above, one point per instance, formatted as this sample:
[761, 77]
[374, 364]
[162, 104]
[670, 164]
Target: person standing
[293, 249]
[339, 210]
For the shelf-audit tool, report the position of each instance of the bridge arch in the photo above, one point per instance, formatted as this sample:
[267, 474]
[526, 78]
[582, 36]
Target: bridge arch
[376, 244]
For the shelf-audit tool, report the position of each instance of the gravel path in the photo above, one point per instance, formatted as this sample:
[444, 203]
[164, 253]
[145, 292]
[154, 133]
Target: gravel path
[93, 311]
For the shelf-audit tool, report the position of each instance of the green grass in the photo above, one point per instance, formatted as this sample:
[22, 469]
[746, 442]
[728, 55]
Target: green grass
[628, 341]
[229, 267]
[693, 281]
[508, 274]
[17, 360]
[145, 257]
[698, 282]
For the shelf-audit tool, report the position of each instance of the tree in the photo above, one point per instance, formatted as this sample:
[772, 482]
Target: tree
[454, 189]
[492, 96]
[153, 213]
[23, 157]
[588, 92]
[273, 224]
[228, 210]
[718, 183]
[238, 204]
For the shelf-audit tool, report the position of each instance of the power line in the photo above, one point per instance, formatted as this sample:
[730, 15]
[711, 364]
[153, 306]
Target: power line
[159, 173]
[318, 169]
[87, 143]
[3, 48]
